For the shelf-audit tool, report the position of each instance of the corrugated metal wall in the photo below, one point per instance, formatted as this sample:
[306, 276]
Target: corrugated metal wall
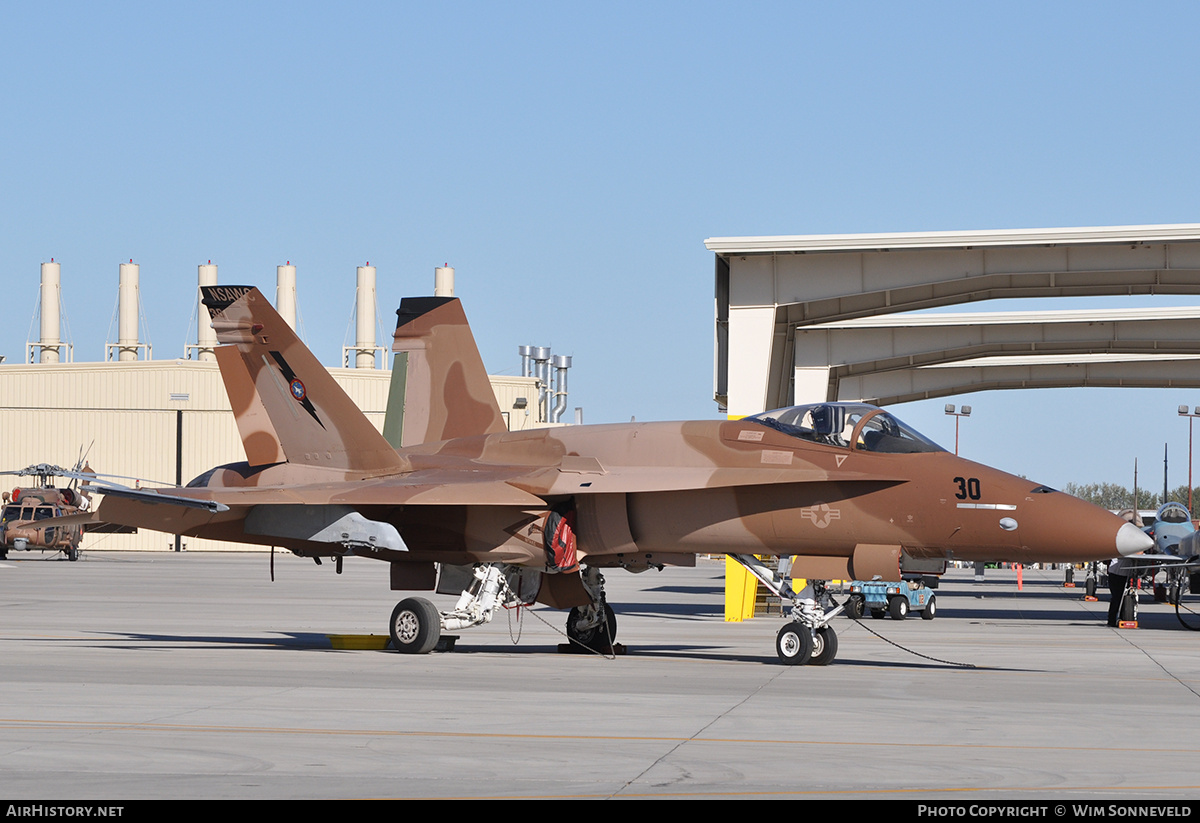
[125, 417]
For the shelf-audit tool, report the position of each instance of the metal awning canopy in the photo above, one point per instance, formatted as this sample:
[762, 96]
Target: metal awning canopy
[892, 241]
[774, 293]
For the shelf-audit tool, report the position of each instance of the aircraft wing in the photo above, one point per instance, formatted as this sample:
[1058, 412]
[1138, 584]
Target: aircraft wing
[418, 488]
[181, 511]
[157, 497]
[1160, 561]
[321, 513]
[490, 486]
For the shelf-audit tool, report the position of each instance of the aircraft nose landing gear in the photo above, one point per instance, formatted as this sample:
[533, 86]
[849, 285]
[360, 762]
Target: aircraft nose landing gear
[808, 639]
[794, 644]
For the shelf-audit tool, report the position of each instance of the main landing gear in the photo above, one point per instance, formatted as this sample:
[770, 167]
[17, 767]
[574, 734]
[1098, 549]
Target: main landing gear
[417, 625]
[593, 626]
[808, 639]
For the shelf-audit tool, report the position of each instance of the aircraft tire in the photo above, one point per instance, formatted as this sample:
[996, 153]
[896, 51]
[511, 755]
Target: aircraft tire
[1173, 594]
[72, 554]
[598, 638]
[794, 644]
[898, 607]
[1089, 588]
[825, 646]
[855, 607]
[415, 626]
[930, 610]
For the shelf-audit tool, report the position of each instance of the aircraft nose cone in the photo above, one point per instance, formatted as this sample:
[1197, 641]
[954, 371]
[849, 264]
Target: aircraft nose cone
[1131, 540]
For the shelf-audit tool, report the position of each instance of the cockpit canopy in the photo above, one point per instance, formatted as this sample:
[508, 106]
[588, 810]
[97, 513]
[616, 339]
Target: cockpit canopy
[1172, 513]
[849, 425]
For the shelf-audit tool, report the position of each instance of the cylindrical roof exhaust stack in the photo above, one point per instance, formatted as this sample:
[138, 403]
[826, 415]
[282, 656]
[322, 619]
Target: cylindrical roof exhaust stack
[285, 293]
[51, 311]
[364, 314]
[443, 281]
[562, 362]
[206, 336]
[541, 370]
[127, 313]
[526, 353]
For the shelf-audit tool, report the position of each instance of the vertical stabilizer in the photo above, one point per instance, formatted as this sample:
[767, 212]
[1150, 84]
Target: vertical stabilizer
[269, 373]
[440, 389]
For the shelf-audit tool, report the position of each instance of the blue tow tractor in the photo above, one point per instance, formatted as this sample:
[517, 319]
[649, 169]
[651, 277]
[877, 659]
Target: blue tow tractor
[898, 599]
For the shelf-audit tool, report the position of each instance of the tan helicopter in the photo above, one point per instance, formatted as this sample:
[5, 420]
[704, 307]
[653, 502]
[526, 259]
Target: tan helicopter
[26, 508]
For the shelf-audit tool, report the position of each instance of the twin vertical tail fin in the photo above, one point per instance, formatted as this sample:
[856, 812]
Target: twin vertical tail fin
[287, 405]
[440, 389]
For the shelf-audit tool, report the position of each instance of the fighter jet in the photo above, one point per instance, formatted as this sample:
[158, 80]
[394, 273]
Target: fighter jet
[1175, 552]
[845, 489]
[1173, 530]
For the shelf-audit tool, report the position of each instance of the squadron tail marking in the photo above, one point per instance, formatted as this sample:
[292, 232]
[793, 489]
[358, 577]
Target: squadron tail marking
[286, 403]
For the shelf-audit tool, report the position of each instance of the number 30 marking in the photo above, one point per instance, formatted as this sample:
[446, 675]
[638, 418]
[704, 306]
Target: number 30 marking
[967, 487]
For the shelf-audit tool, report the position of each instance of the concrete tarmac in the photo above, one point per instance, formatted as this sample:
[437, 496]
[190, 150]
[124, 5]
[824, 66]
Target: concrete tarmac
[128, 676]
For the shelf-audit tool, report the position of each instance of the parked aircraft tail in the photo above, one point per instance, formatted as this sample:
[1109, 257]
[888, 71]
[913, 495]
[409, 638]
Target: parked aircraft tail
[440, 389]
[287, 405]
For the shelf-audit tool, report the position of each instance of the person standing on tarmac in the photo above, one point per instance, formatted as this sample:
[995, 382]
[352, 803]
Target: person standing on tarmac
[1119, 571]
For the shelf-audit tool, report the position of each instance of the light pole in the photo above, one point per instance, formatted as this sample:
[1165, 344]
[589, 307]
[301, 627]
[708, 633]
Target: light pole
[966, 412]
[1183, 412]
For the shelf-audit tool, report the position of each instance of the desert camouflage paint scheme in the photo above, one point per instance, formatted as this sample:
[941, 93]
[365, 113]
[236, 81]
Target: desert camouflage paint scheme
[440, 389]
[824, 483]
[32, 519]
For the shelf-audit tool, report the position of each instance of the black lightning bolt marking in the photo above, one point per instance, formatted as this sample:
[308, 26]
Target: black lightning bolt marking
[290, 377]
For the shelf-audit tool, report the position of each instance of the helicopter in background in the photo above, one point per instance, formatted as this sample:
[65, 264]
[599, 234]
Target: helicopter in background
[26, 510]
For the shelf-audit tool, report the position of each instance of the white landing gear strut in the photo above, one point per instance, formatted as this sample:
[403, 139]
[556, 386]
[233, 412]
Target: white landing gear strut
[808, 638]
[416, 623]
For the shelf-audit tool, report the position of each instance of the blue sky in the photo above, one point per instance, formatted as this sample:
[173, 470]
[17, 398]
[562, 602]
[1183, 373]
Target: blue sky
[570, 159]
